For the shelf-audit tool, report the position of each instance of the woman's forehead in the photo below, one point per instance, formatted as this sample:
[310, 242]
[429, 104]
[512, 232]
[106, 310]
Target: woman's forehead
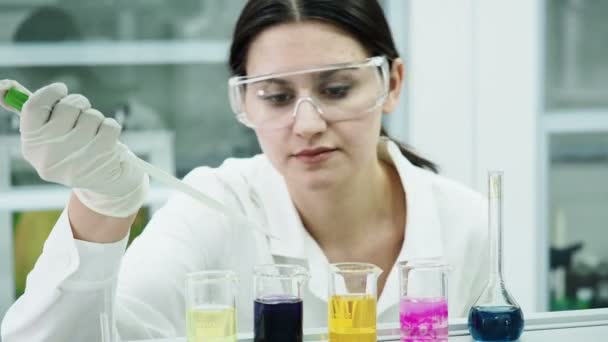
[297, 46]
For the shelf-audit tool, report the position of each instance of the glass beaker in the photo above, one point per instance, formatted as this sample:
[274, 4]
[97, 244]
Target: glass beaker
[278, 305]
[353, 291]
[495, 316]
[211, 306]
[423, 305]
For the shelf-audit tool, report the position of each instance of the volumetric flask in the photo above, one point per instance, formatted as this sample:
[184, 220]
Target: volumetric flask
[495, 316]
[211, 306]
[423, 306]
[278, 307]
[353, 291]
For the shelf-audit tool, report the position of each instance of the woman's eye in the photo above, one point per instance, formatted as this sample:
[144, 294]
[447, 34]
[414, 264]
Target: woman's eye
[279, 98]
[337, 92]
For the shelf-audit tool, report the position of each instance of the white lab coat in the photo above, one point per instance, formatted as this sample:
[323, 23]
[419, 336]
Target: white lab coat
[65, 291]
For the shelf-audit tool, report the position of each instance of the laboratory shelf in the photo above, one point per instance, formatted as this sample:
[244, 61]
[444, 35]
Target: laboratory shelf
[574, 121]
[113, 53]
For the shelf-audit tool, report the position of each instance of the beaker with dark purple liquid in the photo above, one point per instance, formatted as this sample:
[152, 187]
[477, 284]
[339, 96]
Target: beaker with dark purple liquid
[278, 307]
[278, 319]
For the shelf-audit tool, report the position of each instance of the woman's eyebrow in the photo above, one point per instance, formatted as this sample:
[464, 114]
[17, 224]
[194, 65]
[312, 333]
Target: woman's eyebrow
[279, 81]
[329, 73]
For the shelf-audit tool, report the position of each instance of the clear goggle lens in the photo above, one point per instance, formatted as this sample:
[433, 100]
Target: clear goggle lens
[337, 92]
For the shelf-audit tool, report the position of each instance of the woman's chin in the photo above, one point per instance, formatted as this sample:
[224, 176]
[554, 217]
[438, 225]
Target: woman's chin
[315, 179]
[318, 181]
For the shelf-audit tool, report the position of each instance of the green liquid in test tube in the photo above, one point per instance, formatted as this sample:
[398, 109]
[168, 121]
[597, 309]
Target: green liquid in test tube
[15, 98]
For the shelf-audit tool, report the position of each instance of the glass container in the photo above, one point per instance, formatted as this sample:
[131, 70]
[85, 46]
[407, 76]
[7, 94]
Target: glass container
[278, 304]
[353, 291]
[211, 306]
[423, 305]
[495, 316]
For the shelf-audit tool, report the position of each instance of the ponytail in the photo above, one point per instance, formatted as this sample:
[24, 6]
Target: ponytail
[411, 156]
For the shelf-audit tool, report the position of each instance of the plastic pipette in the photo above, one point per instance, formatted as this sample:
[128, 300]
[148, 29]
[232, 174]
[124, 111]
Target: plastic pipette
[16, 99]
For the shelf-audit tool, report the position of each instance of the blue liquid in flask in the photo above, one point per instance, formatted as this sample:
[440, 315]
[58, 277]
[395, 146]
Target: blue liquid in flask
[496, 323]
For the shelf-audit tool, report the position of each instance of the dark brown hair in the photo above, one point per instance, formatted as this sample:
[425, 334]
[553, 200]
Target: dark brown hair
[363, 19]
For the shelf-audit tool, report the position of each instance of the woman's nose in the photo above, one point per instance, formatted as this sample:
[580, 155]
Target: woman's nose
[308, 118]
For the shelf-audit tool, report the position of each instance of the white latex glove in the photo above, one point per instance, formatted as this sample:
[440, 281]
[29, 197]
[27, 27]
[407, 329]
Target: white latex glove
[70, 143]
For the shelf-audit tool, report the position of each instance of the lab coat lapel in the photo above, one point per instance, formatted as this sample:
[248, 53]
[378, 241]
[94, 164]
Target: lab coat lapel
[422, 229]
[319, 269]
[290, 242]
[282, 221]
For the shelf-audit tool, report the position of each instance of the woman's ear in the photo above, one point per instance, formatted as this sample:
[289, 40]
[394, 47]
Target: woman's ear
[394, 87]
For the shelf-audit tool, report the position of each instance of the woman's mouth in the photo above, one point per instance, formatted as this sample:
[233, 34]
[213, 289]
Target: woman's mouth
[314, 155]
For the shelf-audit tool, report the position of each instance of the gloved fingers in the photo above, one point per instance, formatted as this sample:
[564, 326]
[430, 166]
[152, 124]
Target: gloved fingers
[107, 136]
[87, 125]
[82, 151]
[110, 131]
[65, 113]
[5, 85]
[37, 109]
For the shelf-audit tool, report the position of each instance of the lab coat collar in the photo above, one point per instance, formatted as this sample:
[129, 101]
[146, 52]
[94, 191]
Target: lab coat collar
[291, 241]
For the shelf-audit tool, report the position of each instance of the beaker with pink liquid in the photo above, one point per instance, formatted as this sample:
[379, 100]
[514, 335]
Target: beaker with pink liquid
[423, 307]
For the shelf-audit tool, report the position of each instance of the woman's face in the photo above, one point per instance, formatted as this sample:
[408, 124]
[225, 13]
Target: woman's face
[313, 153]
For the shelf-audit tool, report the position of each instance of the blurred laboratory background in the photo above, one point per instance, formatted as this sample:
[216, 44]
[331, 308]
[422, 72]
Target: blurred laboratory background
[516, 85]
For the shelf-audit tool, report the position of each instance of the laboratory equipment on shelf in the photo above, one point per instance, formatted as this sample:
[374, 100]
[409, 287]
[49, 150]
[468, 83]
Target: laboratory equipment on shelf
[495, 316]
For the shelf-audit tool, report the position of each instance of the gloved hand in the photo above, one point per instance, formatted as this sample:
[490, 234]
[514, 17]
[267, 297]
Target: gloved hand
[70, 143]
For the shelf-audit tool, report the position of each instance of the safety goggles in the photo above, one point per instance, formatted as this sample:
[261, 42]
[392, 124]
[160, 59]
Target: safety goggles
[337, 92]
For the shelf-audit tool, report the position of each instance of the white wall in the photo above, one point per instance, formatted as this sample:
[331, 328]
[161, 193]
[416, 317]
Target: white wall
[508, 109]
[474, 105]
[440, 76]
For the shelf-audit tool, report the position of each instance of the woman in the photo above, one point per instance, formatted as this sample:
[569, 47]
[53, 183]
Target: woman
[313, 78]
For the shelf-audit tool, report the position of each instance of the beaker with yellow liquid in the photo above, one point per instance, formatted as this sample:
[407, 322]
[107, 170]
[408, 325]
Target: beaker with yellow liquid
[353, 291]
[211, 306]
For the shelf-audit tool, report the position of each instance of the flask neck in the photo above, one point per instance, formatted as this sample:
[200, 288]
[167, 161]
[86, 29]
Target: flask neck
[495, 228]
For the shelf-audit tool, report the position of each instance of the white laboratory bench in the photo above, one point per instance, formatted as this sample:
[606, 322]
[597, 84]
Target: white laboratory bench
[565, 326]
